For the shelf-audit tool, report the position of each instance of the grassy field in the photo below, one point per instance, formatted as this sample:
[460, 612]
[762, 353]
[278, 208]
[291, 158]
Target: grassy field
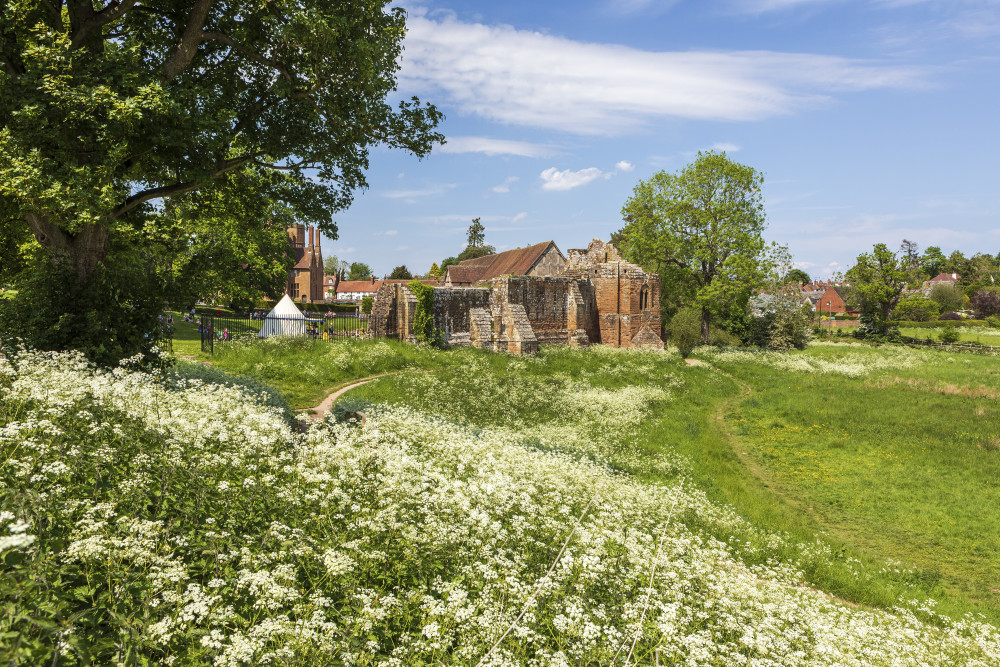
[578, 507]
[844, 471]
[895, 451]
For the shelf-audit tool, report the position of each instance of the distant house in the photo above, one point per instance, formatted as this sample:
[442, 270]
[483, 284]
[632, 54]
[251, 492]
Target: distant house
[833, 301]
[356, 290]
[940, 279]
[541, 260]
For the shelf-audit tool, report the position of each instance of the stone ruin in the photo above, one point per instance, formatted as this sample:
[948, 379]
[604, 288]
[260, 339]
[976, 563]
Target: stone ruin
[598, 297]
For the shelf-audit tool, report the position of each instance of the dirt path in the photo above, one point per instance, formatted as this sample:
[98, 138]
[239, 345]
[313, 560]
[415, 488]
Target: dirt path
[327, 404]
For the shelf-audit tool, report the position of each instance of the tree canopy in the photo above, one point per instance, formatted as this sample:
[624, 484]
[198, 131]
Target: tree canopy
[876, 283]
[701, 230]
[401, 273]
[359, 271]
[110, 110]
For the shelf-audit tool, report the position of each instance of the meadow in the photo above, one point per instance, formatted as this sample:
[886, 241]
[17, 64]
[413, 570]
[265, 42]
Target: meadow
[565, 509]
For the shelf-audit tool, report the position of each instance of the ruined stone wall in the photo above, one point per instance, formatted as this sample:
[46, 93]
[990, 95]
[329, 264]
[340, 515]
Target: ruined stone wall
[451, 311]
[627, 299]
[547, 304]
[382, 322]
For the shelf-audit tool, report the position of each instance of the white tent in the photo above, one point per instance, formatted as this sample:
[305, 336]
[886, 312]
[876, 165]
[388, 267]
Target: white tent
[285, 319]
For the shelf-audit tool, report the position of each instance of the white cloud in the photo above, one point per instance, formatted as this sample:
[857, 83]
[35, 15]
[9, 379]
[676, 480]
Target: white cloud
[519, 217]
[724, 147]
[624, 166]
[532, 79]
[505, 186]
[387, 232]
[402, 247]
[491, 147]
[343, 251]
[568, 179]
[413, 194]
[761, 6]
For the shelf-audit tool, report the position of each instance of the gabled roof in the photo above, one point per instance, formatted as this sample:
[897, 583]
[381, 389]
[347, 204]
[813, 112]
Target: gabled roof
[305, 262]
[945, 278]
[516, 262]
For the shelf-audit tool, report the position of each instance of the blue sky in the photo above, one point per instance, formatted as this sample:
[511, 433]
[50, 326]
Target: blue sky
[872, 121]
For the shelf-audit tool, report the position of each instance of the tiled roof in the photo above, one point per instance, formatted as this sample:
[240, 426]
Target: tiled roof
[305, 262]
[945, 277]
[369, 286]
[512, 262]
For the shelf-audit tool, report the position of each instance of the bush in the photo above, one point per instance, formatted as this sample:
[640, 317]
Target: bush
[993, 321]
[986, 302]
[917, 308]
[951, 317]
[366, 304]
[111, 317]
[949, 335]
[685, 330]
[948, 297]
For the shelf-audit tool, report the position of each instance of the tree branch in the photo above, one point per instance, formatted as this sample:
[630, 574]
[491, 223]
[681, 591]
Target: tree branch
[192, 36]
[253, 55]
[176, 188]
[292, 167]
[113, 12]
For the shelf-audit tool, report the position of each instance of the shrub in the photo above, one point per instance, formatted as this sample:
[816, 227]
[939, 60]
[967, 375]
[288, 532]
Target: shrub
[685, 330]
[951, 316]
[993, 321]
[949, 335]
[986, 302]
[948, 297]
[423, 317]
[366, 304]
[917, 309]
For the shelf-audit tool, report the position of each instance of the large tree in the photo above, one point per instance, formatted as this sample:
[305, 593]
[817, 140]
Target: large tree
[701, 230]
[876, 283]
[109, 106]
[359, 271]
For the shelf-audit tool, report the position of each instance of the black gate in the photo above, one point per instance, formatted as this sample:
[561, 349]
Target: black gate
[206, 326]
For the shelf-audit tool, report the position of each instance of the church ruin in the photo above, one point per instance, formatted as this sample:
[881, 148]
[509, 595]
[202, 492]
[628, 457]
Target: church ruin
[593, 296]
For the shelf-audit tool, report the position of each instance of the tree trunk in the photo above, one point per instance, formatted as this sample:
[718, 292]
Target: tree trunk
[705, 316]
[84, 250]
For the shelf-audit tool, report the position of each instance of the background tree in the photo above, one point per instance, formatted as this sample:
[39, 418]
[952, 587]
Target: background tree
[909, 253]
[435, 271]
[932, 262]
[701, 230]
[333, 266]
[476, 236]
[796, 276]
[779, 320]
[948, 297]
[109, 107]
[916, 308]
[876, 283]
[986, 302]
[359, 271]
[401, 272]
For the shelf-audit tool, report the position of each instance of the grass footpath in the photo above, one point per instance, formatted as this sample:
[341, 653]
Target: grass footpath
[894, 451]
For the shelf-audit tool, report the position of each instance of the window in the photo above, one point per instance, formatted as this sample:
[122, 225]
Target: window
[296, 273]
[294, 292]
[643, 298]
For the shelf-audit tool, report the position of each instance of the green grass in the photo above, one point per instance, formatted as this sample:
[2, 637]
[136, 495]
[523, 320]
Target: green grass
[901, 464]
[305, 370]
[857, 473]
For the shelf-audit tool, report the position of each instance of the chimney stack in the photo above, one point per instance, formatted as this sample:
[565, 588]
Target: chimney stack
[311, 241]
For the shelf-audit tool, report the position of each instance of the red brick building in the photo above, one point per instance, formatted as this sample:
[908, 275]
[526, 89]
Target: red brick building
[306, 279]
[832, 301]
